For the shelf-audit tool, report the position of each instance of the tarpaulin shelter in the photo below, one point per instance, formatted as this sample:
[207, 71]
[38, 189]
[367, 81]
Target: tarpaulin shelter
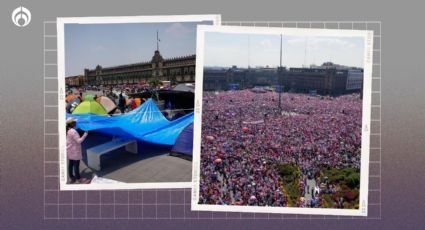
[168, 135]
[180, 99]
[89, 106]
[185, 87]
[184, 142]
[146, 123]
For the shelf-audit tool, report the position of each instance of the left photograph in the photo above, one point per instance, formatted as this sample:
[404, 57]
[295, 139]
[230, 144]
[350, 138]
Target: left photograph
[126, 99]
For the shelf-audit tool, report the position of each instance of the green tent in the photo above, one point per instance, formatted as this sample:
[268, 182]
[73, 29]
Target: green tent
[89, 98]
[89, 105]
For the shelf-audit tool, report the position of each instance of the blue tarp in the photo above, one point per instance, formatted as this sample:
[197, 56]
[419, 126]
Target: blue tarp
[167, 135]
[146, 123]
[184, 142]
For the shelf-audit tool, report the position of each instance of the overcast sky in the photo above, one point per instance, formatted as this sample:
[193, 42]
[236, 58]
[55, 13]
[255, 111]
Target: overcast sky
[227, 49]
[87, 45]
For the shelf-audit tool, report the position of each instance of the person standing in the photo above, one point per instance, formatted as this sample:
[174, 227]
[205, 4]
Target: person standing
[121, 103]
[73, 151]
[133, 104]
[129, 104]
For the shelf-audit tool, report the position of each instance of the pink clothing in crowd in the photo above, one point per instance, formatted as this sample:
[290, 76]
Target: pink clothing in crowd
[244, 135]
[73, 144]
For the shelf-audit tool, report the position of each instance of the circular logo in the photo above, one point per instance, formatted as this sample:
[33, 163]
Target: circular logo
[21, 16]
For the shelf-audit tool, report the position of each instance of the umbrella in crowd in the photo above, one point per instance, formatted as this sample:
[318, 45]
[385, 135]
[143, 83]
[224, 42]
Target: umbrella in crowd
[218, 160]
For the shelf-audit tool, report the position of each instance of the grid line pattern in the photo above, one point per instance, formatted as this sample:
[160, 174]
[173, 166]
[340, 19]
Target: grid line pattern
[174, 204]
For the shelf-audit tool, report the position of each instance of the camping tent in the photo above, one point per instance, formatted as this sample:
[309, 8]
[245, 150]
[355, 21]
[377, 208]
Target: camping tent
[107, 103]
[72, 105]
[89, 105]
[184, 142]
[88, 97]
[70, 97]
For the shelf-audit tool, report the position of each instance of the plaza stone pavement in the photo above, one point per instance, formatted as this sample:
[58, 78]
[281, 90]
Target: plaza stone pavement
[310, 185]
[151, 164]
[130, 168]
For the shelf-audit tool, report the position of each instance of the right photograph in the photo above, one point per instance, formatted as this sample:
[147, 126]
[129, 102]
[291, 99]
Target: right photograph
[282, 120]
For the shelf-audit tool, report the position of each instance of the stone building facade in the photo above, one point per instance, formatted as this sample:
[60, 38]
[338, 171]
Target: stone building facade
[175, 70]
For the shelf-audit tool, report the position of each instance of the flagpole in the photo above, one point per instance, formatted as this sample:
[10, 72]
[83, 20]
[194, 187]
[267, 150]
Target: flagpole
[157, 41]
[279, 73]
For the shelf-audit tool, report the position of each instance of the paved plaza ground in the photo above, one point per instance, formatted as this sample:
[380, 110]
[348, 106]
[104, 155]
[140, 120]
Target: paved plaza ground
[151, 164]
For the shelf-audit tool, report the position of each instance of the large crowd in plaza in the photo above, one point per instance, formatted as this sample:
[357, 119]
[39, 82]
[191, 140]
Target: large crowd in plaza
[245, 135]
[114, 90]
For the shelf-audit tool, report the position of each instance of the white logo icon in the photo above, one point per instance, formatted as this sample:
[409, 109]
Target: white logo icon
[21, 16]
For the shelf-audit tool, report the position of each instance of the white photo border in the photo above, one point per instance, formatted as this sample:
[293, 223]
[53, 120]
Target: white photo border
[366, 118]
[60, 26]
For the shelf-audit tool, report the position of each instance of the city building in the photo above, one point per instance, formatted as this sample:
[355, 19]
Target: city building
[217, 79]
[176, 70]
[327, 79]
[74, 80]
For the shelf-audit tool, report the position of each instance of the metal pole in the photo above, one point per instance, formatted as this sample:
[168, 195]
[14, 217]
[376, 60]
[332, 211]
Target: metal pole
[279, 75]
[240, 117]
[157, 41]
[281, 50]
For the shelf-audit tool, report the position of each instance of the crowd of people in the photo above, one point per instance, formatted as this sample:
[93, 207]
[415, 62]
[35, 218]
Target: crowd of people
[245, 135]
[113, 90]
[128, 88]
[119, 94]
[125, 101]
